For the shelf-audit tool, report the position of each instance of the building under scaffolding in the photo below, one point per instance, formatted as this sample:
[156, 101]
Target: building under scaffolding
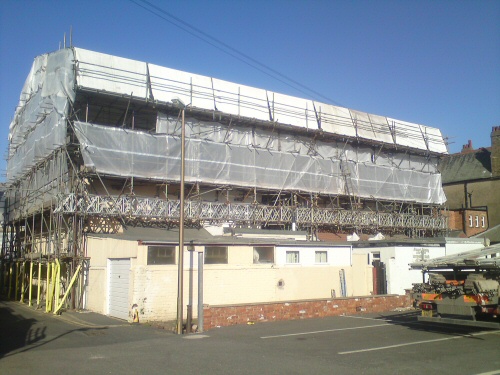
[95, 146]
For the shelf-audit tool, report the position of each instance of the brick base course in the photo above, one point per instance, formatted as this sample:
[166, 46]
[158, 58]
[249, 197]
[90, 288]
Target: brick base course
[218, 316]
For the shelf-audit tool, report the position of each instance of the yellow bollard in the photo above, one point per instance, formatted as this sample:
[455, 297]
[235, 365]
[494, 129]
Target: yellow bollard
[23, 277]
[5, 274]
[23, 280]
[17, 280]
[53, 285]
[57, 283]
[30, 288]
[47, 289]
[10, 280]
[39, 284]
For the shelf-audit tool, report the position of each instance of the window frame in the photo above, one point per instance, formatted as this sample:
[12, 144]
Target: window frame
[320, 252]
[216, 259]
[292, 252]
[263, 254]
[154, 260]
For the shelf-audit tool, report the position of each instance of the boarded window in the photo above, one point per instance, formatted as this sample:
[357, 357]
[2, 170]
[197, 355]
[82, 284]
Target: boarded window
[321, 257]
[292, 257]
[263, 254]
[216, 255]
[161, 255]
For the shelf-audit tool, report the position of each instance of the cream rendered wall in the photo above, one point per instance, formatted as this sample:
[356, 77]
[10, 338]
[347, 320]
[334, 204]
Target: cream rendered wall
[240, 281]
[362, 276]
[100, 250]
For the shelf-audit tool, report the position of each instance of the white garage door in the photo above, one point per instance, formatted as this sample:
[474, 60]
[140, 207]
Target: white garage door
[118, 285]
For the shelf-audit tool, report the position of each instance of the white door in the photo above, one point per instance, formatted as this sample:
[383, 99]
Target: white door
[118, 285]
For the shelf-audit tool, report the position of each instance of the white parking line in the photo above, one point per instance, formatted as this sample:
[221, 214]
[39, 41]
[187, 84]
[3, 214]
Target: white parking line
[360, 317]
[419, 342]
[326, 330]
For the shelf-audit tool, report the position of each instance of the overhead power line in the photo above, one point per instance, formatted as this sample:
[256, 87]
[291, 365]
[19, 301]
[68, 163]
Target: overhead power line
[231, 51]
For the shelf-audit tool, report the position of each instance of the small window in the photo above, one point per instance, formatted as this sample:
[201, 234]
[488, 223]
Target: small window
[470, 221]
[483, 221]
[292, 257]
[263, 254]
[321, 257]
[161, 255]
[477, 221]
[216, 255]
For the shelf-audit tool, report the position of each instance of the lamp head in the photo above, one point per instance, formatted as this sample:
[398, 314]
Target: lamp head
[178, 103]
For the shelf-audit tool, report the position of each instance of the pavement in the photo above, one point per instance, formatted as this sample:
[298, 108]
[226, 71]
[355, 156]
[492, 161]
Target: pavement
[90, 319]
[32, 341]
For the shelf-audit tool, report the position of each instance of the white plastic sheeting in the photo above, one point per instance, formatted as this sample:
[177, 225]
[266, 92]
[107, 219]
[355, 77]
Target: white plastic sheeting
[215, 160]
[39, 124]
[96, 71]
[285, 142]
[236, 155]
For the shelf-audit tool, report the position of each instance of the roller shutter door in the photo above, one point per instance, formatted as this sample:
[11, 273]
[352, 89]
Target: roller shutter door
[118, 286]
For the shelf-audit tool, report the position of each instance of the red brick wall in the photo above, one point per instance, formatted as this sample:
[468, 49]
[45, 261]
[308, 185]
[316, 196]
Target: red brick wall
[455, 220]
[218, 316]
[471, 231]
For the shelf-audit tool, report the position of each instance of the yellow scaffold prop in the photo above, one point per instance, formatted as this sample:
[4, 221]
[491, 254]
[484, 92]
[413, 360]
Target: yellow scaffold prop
[68, 289]
[17, 275]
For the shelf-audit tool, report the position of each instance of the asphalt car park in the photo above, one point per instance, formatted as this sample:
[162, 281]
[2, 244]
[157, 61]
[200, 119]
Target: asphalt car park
[390, 343]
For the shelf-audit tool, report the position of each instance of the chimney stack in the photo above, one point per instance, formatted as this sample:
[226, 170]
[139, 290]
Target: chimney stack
[468, 147]
[495, 151]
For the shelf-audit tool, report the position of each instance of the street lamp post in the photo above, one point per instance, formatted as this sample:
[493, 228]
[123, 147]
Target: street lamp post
[180, 267]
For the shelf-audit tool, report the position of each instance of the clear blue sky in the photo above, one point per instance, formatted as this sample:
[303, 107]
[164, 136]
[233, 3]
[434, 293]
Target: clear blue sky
[435, 63]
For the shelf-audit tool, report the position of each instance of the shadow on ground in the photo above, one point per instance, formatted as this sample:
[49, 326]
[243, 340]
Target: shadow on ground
[17, 331]
[410, 320]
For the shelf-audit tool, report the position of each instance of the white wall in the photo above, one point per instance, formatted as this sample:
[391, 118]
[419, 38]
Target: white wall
[397, 259]
[336, 256]
[458, 245]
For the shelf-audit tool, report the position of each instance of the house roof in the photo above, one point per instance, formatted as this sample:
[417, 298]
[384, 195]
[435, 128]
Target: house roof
[466, 166]
[203, 237]
[493, 234]
[166, 235]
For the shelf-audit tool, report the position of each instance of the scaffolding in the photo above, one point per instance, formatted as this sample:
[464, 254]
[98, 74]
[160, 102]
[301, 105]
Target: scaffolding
[95, 146]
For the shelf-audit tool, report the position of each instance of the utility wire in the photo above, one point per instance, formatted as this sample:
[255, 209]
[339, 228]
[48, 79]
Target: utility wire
[227, 49]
